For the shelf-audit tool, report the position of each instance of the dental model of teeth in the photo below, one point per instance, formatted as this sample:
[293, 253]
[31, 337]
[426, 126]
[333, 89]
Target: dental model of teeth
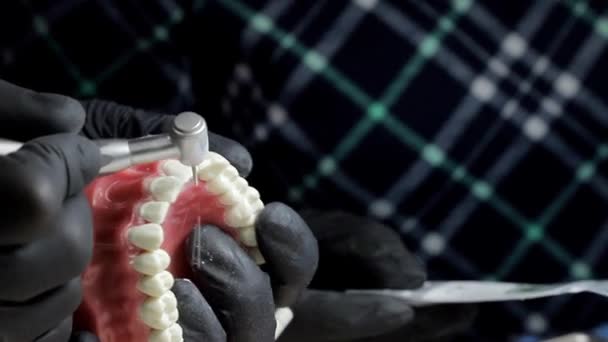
[242, 203]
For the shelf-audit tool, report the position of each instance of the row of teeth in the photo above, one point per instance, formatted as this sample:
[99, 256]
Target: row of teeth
[242, 203]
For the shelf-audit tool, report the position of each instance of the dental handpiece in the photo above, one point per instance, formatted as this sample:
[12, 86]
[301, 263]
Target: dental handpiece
[187, 141]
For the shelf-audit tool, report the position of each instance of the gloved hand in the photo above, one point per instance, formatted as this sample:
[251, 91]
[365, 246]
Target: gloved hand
[230, 297]
[46, 228]
[357, 253]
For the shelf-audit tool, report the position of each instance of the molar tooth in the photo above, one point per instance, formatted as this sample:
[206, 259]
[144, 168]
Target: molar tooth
[222, 183]
[241, 185]
[154, 211]
[218, 185]
[151, 263]
[247, 236]
[230, 198]
[146, 236]
[159, 312]
[157, 284]
[237, 190]
[240, 215]
[210, 171]
[253, 194]
[177, 169]
[166, 188]
[174, 333]
[256, 206]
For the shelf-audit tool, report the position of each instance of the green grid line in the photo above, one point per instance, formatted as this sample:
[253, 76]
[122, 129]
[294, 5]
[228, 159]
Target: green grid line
[159, 34]
[511, 261]
[583, 173]
[426, 50]
[40, 26]
[582, 10]
[483, 192]
[409, 137]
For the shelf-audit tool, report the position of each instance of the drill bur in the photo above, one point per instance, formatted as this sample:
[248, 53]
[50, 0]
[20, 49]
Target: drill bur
[194, 174]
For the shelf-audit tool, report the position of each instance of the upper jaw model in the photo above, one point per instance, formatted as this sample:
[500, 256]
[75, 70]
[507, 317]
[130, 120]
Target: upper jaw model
[142, 217]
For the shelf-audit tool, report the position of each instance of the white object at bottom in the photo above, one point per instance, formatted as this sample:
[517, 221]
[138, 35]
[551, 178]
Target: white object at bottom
[283, 317]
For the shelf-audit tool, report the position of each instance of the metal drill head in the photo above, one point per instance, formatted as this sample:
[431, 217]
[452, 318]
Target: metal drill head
[189, 133]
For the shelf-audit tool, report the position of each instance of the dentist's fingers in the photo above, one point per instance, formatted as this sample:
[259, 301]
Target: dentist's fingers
[26, 114]
[59, 334]
[235, 287]
[61, 254]
[290, 251]
[38, 178]
[196, 317]
[29, 320]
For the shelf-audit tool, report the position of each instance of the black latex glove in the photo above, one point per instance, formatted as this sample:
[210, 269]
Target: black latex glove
[46, 228]
[357, 253]
[239, 298]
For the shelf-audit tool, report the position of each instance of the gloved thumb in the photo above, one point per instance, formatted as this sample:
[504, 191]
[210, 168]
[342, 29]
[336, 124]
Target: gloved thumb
[26, 114]
[38, 177]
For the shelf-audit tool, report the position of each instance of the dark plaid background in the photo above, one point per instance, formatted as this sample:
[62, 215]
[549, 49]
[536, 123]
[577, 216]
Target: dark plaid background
[475, 128]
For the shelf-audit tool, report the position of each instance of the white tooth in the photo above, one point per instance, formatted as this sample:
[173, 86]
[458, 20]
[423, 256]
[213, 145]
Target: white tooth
[247, 236]
[166, 188]
[154, 211]
[151, 263]
[218, 185]
[256, 255]
[210, 171]
[146, 236]
[256, 206]
[216, 157]
[177, 169]
[241, 185]
[252, 194]
[241, 215]
[161, 312]
[230, 198]
[174, 333]
[157, 284]
[222, 183]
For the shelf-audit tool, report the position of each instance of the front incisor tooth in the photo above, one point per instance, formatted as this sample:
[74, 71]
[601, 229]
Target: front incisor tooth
[247, 236]
[174, 333]
[154, 211]
[166, 188]
[151, 263]
[157, 284]
[159, 312]
[148, 236]
[177, 169]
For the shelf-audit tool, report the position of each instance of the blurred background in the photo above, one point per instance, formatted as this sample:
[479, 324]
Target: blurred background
[475, 129]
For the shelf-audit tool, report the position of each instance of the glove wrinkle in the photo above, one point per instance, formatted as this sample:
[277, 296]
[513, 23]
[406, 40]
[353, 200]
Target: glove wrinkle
[107, 119]
[233, 284]
[350, 246]
[291, 249]
[196, 318]
[26, 114]
[336, 316]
